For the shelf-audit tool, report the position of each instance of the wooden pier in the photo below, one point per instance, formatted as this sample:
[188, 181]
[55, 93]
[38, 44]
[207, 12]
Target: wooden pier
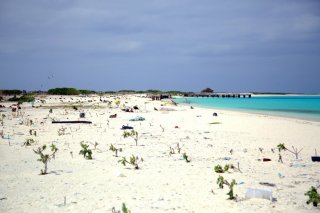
[219, 95]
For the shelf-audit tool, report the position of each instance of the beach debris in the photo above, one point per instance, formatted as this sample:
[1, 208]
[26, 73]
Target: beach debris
[95, 145]
[177, 127]
[186, 158]
[133, 134]
[260, 149]
[86, 152]
[179, 148]
[29, 142]
[297, 164]
[231, 151]
[214, 114]
[280, 175]
[267, 184]
[71, 122]
[315, 158]
[118, 174]
[266, 159]
[259, 193]
[45, 158]
[171, 152]
[82, 115]
[215, 122]
[71, 153]
[294, 151]
[113, 116]
[124, 127]
[314, 197]
[161, 127]
[138, 118]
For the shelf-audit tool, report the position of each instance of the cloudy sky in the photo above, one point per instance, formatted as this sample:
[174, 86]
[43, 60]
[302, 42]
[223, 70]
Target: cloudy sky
[228, 45]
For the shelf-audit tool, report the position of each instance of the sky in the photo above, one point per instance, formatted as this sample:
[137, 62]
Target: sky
[188, 45]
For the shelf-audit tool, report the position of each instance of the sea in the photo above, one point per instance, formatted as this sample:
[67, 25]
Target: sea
[306, 107]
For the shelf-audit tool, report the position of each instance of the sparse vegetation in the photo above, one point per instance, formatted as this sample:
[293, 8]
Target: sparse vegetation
[29, 142]
[114, 149]
[186, 158]
[23, 98]
[221, 182]
[314, 197]
[133, 134]
[125, 209]
[86, 152]
[45, 158]
[63, 91]
[134, 161]
[230, 193]
[281, 147]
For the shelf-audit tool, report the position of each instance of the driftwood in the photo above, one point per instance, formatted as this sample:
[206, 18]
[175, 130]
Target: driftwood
[71, 122]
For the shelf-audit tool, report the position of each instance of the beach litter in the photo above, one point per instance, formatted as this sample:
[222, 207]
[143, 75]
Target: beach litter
[315, 158]
[138, 118]
[259, 193]
[71, 122]
[267, 184]
[124, 127]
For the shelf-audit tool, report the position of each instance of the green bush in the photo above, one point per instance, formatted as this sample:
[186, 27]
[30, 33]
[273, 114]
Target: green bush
[314, 197]
[86, 152]
[64, 91]
[11, 92]
[23, 98]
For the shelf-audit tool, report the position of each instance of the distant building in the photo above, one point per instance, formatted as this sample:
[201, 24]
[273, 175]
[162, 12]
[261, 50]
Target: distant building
[207, 90]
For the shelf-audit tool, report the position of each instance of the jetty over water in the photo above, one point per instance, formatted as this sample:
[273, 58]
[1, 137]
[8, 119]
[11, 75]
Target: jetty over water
[219, 95]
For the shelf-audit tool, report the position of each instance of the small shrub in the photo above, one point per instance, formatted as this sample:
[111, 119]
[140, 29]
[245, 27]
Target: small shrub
[45, 158]
[220, 181]
[115, 150]
[230, 193]
[125, 209]
[134, 161]
[186, 158]
[226, 168]
[314, 197]
[29, 142]
[281, 147]
[86, 152]
[171, 152]
[133, 134]
[218, 169]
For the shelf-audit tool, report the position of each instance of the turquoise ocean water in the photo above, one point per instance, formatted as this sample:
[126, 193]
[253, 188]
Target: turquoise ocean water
[303, 107]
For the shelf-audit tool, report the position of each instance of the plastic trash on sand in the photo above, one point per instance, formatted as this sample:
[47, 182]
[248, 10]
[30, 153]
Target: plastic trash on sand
[259, 193]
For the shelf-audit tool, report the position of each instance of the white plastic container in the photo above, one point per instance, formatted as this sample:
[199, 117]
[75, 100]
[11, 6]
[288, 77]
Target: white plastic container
[259, 193]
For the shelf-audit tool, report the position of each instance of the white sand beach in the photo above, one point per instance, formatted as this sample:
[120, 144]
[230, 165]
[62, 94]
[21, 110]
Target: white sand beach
[164, 182]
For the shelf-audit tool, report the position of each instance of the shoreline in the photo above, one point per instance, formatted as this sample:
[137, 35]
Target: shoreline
[274, 113]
